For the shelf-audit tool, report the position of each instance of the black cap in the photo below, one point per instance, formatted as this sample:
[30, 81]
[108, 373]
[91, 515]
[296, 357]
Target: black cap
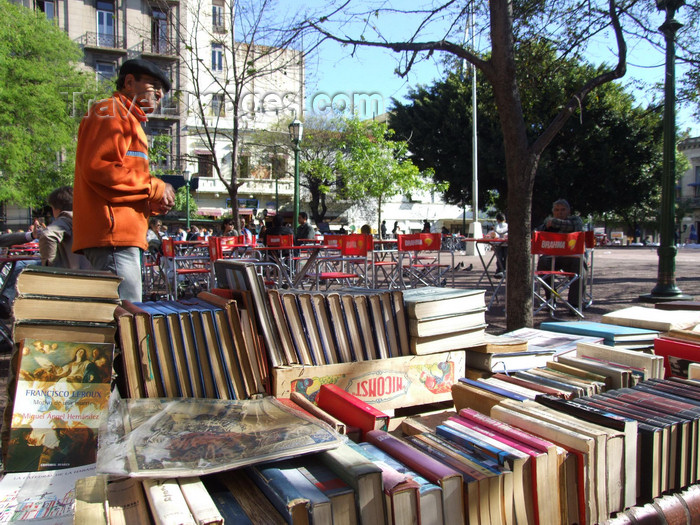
[144, 67]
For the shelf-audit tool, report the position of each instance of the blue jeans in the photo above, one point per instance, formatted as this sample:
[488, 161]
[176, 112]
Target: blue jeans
[124, 261]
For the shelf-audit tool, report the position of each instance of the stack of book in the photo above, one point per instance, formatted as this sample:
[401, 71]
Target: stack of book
[522, 349]
[613, 335]
[444, 319]
[59, 305]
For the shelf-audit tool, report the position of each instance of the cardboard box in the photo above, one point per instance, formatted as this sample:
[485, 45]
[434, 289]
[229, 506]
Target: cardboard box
[384, 383]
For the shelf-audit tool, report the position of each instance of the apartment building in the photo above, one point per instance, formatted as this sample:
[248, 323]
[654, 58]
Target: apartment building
[195, 43]
[688, 191]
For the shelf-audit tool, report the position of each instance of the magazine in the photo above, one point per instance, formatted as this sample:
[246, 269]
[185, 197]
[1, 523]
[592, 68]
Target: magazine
[41, 497]
[161, 438]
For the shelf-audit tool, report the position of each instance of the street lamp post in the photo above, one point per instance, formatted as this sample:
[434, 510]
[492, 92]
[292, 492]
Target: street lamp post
[188, 177]
[296, 129]
[666, 288]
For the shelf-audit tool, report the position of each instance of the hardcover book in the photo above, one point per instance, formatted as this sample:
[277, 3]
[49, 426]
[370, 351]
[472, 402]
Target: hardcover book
[652, 318]
[61, 399]
[430, 301]
[351, 410]
[677, 355]
[508, 362]
[612, 334]
[65, 282]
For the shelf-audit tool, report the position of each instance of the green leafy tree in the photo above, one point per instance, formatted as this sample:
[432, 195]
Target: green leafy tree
[318, 162]
[374, 166]
[38, 80]
[508, 25]
[181, 203]
[608, 157]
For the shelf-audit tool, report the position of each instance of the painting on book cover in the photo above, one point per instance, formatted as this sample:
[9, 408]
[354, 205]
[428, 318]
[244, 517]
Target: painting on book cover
[188, 437]
[61, 399]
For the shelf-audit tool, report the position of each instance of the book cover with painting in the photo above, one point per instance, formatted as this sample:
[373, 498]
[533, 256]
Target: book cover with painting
[192, 437]
[61, 399]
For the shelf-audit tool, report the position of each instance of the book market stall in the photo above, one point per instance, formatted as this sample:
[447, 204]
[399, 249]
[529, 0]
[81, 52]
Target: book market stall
[248, 404]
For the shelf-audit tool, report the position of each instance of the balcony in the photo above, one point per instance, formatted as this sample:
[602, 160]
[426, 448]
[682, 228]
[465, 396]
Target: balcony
[156, 49]
[102, 42]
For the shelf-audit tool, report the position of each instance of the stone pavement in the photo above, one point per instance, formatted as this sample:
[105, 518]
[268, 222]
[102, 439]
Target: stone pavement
[620, 276]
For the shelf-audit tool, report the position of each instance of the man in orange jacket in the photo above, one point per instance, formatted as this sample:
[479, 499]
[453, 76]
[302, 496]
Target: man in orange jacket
[114, 193]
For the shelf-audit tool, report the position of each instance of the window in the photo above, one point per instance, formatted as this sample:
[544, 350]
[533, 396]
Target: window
[217, 57]
[205, 165]
[279, 166]
[244, 166]
[105, 71]
[160, 146]
[217, 16]
[47, 7]
[105, 23]
[697, 181]
[159, 32]
[218, 105]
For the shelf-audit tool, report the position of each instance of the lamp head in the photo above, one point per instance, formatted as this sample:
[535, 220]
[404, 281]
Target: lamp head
[187, 175]
[296, 130]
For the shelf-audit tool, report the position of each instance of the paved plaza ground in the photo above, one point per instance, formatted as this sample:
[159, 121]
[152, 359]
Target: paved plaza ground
[620, 276]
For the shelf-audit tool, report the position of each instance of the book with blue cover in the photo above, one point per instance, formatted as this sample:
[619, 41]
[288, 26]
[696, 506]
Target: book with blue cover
[609, 332]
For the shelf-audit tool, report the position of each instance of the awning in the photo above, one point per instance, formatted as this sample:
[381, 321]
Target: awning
[213, 212]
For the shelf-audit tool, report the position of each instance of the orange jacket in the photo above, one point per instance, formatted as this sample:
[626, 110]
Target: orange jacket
[113, 190]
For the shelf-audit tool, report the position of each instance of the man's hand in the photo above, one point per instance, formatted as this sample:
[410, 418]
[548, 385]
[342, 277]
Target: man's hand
[167, 201]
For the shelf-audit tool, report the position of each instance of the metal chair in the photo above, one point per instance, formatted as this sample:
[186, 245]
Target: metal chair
[419, 259]
[187, 267]
[560, 265]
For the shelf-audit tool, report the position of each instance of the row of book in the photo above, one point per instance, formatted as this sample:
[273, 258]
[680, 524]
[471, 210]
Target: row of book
[205, 347]
[317, 328]
[551, 460]
[656, 420]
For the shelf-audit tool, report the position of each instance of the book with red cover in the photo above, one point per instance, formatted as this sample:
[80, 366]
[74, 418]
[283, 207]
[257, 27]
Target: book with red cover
[430, 468]
[677, 355]
[351, 410]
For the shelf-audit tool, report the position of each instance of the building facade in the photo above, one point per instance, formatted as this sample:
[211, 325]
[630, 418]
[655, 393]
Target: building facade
[195, 43]
[688, 192]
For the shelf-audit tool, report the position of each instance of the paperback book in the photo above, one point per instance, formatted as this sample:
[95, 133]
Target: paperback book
[61, 399]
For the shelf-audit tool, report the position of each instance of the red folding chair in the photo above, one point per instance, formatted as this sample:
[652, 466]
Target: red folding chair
[419, 259]
[559, 262]
[349, 268]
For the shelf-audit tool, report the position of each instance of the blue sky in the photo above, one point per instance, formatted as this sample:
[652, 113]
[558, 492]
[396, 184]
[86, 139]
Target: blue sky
[333, 71]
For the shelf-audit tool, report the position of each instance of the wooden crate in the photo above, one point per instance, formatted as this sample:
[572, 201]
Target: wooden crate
[386, 384]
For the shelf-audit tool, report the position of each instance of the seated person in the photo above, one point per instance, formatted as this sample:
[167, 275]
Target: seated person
[562, 221]
[153, 237]
[366, 229]
[500, 250]
[304, 231]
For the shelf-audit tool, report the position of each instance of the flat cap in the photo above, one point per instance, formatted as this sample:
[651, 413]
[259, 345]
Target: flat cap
[144, 67]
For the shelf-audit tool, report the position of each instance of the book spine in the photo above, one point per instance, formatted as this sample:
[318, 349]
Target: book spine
[168, 505]
[201, 504]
